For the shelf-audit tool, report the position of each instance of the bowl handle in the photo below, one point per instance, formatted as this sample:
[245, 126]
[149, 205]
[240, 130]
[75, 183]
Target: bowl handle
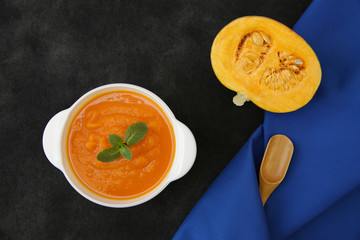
[52, 138]
[186, 149]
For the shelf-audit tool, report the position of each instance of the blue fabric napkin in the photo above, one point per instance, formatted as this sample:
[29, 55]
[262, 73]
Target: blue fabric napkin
[320, 195]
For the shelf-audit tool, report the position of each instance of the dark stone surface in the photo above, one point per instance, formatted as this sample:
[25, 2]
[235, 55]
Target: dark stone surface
[52, 52]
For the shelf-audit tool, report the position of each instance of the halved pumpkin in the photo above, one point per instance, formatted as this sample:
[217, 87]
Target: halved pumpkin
[266, 62]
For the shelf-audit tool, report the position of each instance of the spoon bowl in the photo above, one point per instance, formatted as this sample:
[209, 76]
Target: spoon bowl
[275, 164]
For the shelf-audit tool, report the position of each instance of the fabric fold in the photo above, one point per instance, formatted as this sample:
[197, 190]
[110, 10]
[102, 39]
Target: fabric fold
[236, 198]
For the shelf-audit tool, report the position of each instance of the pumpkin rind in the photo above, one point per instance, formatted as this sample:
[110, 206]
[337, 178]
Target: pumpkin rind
[266, 61]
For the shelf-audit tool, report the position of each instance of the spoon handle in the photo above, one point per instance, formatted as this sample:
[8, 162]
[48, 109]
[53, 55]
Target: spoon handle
[265, 189]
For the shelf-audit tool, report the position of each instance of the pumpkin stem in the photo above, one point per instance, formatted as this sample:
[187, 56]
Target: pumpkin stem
[240, 99]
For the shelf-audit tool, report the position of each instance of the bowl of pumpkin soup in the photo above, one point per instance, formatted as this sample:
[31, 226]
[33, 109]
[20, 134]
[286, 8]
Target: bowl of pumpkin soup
[74, 138]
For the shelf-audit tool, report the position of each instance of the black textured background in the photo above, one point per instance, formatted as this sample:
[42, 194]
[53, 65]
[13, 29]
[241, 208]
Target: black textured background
[52, 52]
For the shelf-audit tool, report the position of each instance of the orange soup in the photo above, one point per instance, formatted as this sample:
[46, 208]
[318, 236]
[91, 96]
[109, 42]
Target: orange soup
[113, 113]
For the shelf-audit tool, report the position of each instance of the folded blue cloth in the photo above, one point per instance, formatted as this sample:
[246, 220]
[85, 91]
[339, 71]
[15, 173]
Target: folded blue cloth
[320, 195]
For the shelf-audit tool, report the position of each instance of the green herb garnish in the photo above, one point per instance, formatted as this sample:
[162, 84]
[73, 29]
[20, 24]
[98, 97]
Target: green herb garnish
[120, 147]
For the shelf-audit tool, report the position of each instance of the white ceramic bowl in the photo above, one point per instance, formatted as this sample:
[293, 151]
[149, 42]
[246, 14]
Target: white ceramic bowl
[54, 144]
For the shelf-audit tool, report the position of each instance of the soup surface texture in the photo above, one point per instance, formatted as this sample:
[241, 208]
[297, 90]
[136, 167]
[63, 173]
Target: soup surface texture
[113, 113]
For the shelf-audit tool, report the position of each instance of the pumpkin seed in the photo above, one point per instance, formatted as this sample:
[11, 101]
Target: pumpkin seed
[266, 38]
[258, 40]
[294, 68]
[283, 55]
[251, 56]
[298, 61]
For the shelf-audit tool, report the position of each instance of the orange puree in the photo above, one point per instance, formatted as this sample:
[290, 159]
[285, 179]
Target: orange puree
[113, 113]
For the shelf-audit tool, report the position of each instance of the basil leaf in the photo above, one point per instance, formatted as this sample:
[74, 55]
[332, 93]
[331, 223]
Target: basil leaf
[135, 133]
[109, 154]
[125, 151]
[115, 140]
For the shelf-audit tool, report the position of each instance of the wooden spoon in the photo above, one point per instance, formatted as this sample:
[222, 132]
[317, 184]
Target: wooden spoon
[274, 165]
